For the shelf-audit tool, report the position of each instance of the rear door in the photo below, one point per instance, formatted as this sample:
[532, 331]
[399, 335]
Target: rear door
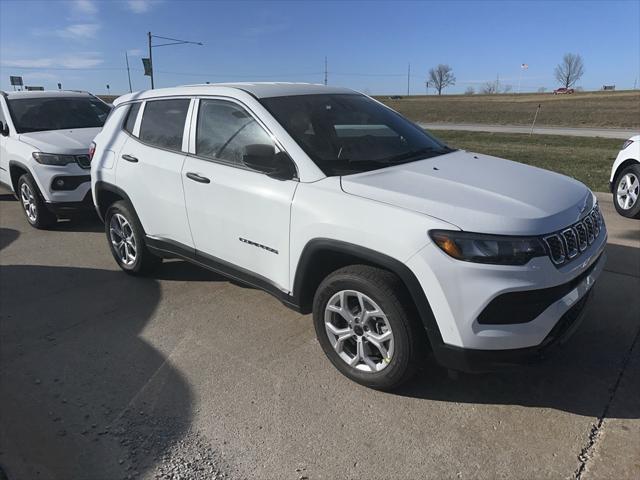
[237, 215]
[149, 168]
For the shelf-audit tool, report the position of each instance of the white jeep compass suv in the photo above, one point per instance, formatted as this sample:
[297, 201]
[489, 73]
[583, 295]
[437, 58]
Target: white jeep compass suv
[339, 206]
[44, 150]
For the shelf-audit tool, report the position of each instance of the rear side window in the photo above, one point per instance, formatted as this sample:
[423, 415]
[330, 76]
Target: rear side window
[163, 123]
[225, 130]
[131, 117]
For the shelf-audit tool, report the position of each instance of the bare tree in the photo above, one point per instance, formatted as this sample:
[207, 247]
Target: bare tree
[441, 77]
[570, 70]
[490, 88]
[469, 91]
[507, 89]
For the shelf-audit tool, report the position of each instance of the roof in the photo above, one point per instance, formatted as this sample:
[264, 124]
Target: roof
[45, 94]
[283, 89]
[256, 89]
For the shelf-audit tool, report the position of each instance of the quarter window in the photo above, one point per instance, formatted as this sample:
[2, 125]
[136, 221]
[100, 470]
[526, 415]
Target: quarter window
[163, 123]
[131, 117]
[225, 130]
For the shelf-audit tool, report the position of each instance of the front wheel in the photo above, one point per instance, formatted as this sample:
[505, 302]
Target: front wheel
[626, 192]
[32, 203]
[364, 323]
[126, 240]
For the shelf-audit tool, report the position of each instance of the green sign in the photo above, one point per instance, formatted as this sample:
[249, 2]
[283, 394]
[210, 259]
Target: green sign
[146, 63]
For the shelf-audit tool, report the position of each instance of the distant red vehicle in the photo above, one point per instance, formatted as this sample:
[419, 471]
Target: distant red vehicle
[562, 91]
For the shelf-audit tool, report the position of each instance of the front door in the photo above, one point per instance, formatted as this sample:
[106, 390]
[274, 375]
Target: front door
[238, 215]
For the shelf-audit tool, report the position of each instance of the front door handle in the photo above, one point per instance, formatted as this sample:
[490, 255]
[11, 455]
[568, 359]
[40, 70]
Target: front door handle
[198, 178]
[129, 158]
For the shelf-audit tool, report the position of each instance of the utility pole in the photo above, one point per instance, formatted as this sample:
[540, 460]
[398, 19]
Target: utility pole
[426, 84]
[497, 83]
[325, 70]
[126, 57]
[408, 78]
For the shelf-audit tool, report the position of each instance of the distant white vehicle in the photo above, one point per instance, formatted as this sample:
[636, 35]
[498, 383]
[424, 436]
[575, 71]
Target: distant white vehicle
[44, 150]
[625, 179]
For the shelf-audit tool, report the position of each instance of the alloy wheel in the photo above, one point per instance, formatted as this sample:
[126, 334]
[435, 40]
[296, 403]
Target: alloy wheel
[359, 331]
[122, 239]
[628, 190]
[29, 202]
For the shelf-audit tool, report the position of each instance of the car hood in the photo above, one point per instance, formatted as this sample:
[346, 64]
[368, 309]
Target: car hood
[72, 142]
[478, 193]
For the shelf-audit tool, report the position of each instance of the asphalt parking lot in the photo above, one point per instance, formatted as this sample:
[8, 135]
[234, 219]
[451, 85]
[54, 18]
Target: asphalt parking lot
[186, 375]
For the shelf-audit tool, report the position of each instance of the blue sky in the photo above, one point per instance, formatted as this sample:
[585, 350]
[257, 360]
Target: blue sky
[368, 44]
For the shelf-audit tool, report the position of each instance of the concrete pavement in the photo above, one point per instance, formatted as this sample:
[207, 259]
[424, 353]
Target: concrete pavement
[574, 132]
[105, 376]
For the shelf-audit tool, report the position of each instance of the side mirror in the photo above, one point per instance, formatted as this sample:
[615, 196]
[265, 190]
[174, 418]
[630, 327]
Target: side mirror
[4, 129]
[263, 158]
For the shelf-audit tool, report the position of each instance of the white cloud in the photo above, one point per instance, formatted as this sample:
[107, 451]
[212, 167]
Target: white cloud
[72, 61]
[139, 6]
[79, 31]
[87, 7]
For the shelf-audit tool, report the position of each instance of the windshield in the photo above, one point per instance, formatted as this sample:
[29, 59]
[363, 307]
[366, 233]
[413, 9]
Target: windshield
[57, 113]
[351, 133]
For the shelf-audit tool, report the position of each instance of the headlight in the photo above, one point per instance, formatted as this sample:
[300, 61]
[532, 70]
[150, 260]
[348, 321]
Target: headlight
[626, 144]
[53, 159]
[481, 248]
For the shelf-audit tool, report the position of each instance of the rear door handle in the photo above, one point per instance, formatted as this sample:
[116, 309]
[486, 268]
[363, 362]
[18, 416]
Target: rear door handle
[198, 178]
[129, 158]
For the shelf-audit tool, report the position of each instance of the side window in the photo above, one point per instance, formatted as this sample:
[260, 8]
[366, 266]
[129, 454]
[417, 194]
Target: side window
[130, 122]
[163, 123]
[225, 130]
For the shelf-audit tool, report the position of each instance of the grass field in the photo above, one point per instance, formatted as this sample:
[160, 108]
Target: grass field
[586, 159]
[582, 109]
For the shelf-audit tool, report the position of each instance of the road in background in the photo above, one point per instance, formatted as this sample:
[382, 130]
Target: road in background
[573, 132]
[187, 375]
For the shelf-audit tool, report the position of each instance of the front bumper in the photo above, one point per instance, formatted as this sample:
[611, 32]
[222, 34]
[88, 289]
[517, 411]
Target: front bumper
[463, 295]
[62, 209]
[478, 361]
[77, 182]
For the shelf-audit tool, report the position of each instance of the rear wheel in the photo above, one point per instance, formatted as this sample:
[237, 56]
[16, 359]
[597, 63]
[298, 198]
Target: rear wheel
[363, 321]
[626, 192]
[126, 240]
[33, 204]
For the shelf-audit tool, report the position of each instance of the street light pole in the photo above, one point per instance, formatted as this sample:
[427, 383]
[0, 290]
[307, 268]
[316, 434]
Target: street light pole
[173, 41]
[150, 59]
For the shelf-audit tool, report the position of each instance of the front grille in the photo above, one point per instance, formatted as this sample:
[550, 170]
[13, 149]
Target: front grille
[84, 161]
[569, 243]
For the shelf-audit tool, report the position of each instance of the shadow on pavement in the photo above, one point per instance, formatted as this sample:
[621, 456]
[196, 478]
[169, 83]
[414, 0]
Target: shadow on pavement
[7, 237]
[83, 395]
[579, 376]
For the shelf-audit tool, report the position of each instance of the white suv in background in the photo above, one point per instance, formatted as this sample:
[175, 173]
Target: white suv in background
[625, 179]
[44, 150]
[339, 206]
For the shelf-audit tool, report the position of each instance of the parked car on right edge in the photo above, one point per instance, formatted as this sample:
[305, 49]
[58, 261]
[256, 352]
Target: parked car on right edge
[625, 179]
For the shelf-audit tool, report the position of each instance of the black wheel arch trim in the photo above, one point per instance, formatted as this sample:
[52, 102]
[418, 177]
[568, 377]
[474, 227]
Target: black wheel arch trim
[408, 278]
[102, 186]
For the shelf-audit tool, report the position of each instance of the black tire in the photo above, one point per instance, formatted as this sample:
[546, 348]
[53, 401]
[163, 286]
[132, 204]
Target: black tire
[144, 261]
[634, 172]
[39, 215]
[388, 292]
